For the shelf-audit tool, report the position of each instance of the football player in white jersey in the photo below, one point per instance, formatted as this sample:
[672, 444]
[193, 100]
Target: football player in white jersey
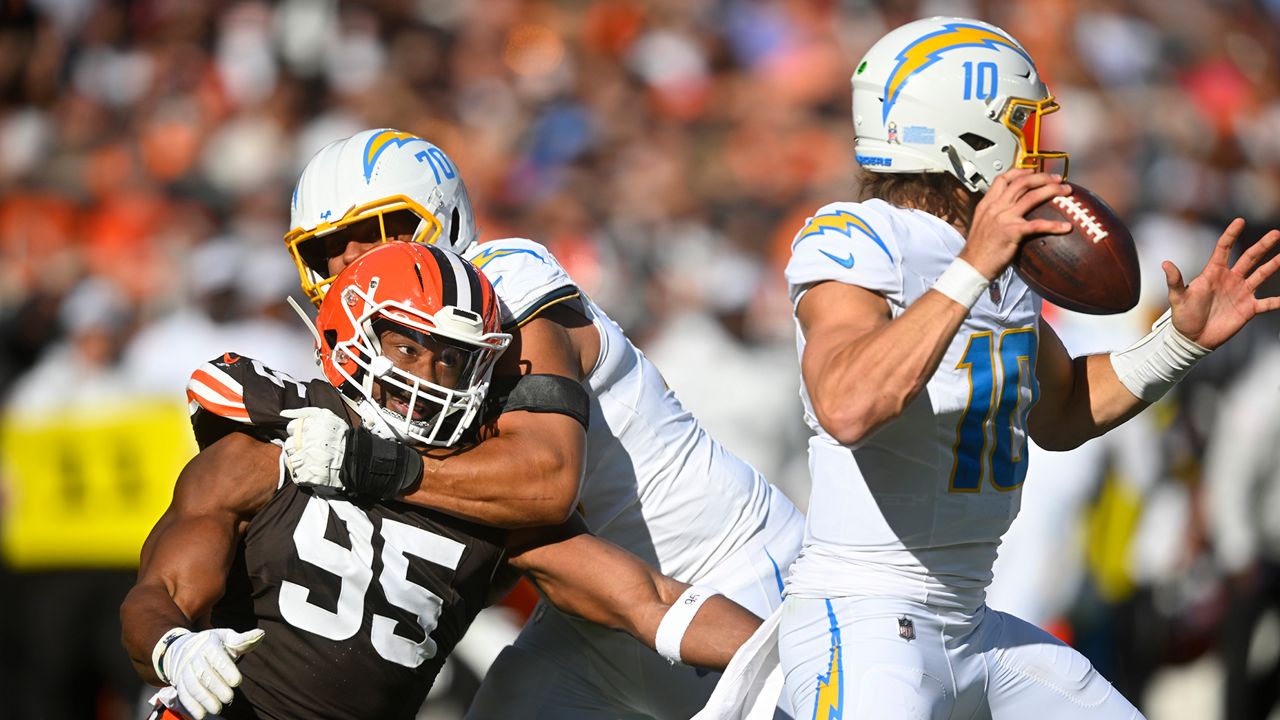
[621, 449]
[925, 368]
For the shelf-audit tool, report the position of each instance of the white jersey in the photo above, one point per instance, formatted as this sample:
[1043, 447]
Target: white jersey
[655, 482]
[917, 510]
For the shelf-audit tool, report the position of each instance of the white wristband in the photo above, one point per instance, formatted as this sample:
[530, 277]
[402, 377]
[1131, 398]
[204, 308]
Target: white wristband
[162, 646]
[962, 283]
[1149, 367]
[674, 624]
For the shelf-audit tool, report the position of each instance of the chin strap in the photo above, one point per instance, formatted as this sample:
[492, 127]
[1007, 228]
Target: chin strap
[966, 171]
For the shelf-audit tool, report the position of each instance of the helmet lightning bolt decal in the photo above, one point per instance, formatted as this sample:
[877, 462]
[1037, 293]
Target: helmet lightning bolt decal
[843, 222]
[829, 704]
[379, 142]
[927, 50]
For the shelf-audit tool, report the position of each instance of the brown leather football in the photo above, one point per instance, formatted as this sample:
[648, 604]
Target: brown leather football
[1094, 268]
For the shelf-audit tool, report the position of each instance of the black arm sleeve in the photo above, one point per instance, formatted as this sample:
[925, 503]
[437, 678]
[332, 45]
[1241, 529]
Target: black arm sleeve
[544, 393]
[378, 467]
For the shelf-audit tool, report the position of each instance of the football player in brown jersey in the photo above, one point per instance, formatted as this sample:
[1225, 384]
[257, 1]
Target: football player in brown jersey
[350, 605]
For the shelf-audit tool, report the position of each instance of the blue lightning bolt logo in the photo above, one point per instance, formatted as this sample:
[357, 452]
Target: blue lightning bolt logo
[843, 222]
[926, 50]
[379, 142]
[829, 704]
[487, 256]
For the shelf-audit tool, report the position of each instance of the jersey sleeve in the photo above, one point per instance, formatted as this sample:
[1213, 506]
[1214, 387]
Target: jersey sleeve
[849, 243]
[526, 276]
[238, 394]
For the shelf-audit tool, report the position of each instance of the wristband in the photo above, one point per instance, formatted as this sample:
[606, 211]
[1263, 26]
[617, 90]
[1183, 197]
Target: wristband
[162, 647]
[672, 628]
[1154, 364]
[962, 283]
[379, 467]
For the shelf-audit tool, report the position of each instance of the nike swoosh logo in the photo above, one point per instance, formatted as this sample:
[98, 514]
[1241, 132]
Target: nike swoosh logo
[843, 262]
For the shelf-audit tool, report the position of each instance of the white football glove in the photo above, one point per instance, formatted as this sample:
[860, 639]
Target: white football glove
[202, 667]
[315, 447]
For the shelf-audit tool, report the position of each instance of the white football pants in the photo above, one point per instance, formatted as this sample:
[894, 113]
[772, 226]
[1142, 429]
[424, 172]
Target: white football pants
[892, 659]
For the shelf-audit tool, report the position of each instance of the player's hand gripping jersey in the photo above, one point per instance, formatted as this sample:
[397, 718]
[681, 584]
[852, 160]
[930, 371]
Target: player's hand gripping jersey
[917, 509]
[655, 482]
[361, 601]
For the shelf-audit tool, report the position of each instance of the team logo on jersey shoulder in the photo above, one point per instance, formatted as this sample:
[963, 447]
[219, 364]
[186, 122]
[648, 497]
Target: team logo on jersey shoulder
[488, 255]
[843, 222]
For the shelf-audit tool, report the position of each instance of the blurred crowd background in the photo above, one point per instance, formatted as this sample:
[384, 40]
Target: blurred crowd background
[666, 151]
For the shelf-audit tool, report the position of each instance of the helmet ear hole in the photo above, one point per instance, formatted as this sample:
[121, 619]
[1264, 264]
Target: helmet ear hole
[331, 338]
[454, 227]
[976, 141]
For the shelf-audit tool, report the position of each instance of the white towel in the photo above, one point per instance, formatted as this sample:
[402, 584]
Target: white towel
[750, 687]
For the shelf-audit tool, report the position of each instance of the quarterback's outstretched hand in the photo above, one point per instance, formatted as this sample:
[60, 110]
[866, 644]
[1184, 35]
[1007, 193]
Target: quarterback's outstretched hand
[1221, 299]
[315, 447]
[202, 667]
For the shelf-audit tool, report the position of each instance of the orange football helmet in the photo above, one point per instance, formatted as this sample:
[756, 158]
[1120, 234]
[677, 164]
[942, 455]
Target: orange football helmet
[441, 317]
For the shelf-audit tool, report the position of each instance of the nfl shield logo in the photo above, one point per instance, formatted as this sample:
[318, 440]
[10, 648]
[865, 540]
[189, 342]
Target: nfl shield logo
[906, 628]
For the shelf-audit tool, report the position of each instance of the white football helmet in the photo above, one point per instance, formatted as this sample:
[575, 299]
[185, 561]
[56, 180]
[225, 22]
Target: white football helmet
[374, 174]
[951, 95]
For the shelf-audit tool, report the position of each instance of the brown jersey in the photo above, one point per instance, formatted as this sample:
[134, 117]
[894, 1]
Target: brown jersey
[360, 600]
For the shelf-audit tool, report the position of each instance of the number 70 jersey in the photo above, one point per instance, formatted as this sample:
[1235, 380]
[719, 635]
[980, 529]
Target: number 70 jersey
[917, 509]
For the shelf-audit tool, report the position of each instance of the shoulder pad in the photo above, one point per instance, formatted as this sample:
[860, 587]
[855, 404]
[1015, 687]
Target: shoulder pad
[239, 394]
[526, 276]
[846, 242]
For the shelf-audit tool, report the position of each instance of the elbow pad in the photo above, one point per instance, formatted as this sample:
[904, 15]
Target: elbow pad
[545, 393]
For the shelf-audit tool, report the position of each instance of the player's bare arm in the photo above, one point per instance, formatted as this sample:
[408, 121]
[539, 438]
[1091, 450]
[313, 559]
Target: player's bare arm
[477, 483]
[1081, 398]
[548, 447]
[186, 557]
[595, 580]
[862, 369]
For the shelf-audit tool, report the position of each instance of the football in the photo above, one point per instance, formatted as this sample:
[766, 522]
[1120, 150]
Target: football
[1094, 268]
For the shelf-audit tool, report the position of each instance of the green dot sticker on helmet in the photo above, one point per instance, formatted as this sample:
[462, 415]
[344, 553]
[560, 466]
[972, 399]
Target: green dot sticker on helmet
[861, 68]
